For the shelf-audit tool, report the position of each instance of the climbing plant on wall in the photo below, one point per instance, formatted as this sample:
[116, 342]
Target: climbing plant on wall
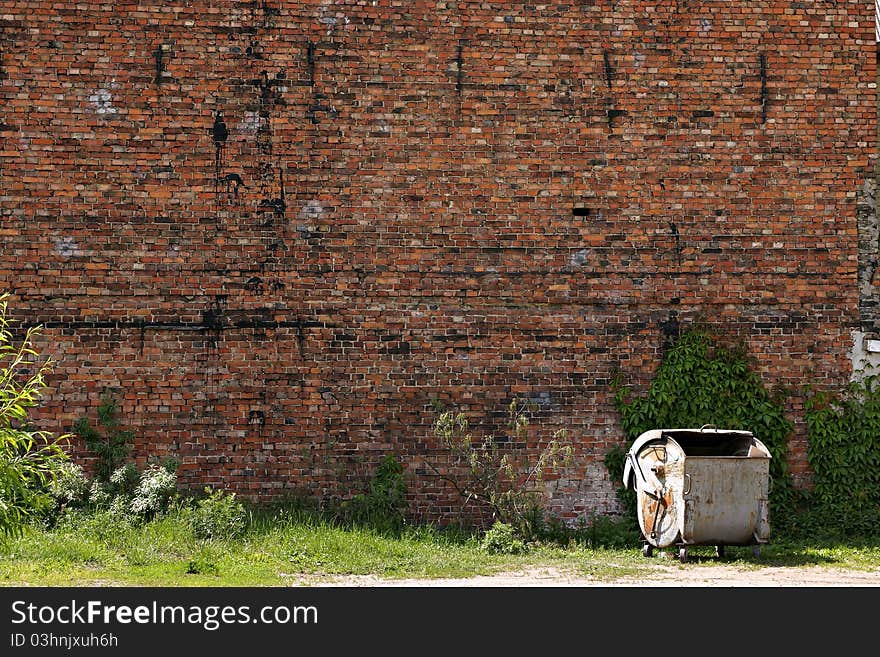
[844, 454]
[702, 381]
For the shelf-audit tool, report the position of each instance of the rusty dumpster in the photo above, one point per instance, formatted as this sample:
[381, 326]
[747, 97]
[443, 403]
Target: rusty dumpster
[704, 486]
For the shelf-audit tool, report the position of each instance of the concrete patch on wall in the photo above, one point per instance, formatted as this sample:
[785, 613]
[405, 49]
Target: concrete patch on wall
[865, 352]
[869, 240]
[576, 497]
[864, 355]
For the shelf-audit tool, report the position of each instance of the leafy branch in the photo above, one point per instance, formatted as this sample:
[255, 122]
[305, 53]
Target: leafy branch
[29, 459]
[497, 473]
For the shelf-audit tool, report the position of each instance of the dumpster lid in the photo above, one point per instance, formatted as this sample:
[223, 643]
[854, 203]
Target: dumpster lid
[705, 441]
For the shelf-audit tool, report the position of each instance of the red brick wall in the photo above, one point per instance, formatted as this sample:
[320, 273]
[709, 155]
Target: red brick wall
[426, 245]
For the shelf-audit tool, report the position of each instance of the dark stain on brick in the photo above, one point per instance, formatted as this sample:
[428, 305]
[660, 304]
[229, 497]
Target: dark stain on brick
[613, 114]
[234, 29]
[277, 205]
[609, 72]
[269, 11]
[763, 99]
[160, 55]
[677, 239]
[310, 64]
[401, 348]
[254, 50]
[232, 181]
[669, 330]
[219, 135]
[212, 317]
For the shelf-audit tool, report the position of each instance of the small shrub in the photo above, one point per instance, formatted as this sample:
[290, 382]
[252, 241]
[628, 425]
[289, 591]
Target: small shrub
[154, 491]
[99, 495]
[501, 539]
[219, 515]
[70, 488]
[124, 480]
[108, 440]
[500, 474]
[126, 492]
[383, 508]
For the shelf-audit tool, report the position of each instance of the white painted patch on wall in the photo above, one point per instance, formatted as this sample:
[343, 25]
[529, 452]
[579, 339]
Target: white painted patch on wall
[579, 258]
[252, 123]
[102, 101]
[66, 247]
[326, 16]
[311, 210]
[864, 355]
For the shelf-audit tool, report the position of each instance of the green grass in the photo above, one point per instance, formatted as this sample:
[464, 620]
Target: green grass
[283, 549]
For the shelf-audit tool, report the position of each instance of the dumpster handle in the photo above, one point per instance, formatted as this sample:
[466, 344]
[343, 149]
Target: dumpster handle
[636, 466]
[643, 481]
[707, 426]
[687, 486]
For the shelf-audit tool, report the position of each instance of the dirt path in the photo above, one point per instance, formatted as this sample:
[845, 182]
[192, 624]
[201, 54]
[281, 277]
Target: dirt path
[662, 575]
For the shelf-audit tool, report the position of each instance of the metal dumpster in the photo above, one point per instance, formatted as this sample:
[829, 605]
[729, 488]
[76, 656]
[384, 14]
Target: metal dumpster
[704, 486]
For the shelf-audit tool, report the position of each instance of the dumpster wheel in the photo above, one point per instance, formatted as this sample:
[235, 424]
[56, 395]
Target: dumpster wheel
[683, 554]
[647, 550]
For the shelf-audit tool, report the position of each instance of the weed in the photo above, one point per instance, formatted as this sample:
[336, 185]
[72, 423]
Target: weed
[501, 474]
[108, 440]
[218, 515]
[501, 538]
[202, 567]
[383, 508]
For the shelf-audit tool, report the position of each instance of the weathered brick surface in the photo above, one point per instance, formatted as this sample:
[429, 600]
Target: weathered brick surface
[470, 201]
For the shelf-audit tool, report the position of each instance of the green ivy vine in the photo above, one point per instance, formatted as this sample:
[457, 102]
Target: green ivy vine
[844, 454]
[702, 381]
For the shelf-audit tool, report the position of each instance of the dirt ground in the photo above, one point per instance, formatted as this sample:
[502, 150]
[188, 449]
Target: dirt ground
[667, 575]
